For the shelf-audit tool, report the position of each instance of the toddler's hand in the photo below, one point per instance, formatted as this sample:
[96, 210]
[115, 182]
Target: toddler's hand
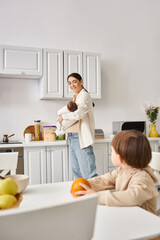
[87, 190]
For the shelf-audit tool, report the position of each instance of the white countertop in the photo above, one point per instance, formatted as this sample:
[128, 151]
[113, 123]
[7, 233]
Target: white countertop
[43, 143]
[58, 143]
[111, 222]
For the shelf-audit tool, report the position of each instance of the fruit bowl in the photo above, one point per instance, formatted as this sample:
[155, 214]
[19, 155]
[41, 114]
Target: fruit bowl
[19, 199]
[21, 180]
[16, 205]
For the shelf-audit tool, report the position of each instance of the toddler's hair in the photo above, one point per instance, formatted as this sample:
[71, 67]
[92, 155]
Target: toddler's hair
[133, 147]
[72, 106]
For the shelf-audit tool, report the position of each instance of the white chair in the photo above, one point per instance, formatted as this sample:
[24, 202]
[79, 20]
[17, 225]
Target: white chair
[73, 220]
[8, 162]
[155, 164]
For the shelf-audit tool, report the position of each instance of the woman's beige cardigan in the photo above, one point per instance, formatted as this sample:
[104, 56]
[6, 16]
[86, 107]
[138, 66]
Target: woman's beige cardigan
[85, 115]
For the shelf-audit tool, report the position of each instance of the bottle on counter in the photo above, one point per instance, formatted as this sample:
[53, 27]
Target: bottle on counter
[37, 129]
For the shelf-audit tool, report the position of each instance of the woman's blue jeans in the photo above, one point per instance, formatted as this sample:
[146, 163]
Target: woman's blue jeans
[82, 160]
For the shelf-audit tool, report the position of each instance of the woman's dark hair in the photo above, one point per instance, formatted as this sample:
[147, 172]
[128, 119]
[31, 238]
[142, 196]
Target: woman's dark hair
[75, 75]
[78, 77]
[133, 147]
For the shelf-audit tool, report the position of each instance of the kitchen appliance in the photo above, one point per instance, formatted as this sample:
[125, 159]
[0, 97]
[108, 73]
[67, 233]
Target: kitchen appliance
[5, 137]
[11, 142]
[128, 125]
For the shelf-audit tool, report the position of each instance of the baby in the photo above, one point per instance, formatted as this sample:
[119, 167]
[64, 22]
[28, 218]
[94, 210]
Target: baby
[61, 128]
[133, 180]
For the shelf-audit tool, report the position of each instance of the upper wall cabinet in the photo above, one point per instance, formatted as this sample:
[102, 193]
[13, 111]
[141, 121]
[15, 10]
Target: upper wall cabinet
[21, 62]
[72, 63]
[51, 84]
[92, 74]
[59, 64]
[88, 66]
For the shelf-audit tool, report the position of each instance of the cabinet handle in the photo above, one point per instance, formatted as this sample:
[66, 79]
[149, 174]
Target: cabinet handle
[48, 150]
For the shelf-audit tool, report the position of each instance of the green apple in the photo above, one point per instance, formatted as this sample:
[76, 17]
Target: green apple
[7, 201]
[8, 186]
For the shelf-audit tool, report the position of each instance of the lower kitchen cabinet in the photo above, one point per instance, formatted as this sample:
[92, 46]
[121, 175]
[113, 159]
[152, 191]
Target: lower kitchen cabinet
[50, 163]
[57, 164]
[46, 164]
[100, 151]
[35, 164]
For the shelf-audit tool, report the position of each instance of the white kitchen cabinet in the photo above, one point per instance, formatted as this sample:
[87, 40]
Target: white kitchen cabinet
[46, 164]
[72, 63]
[100, 151]
[111, 167]
[92, 74]
[57, 164]
[88, 65]
[51, 84]
[59, 64]
[35, 164]
[21, 62]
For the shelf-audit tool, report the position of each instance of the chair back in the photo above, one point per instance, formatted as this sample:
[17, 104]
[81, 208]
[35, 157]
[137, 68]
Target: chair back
[72, 220]
[8, 162]
[155, 162]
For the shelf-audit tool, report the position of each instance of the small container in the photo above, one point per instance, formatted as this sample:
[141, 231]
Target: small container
[62, 137]
[49, 133]
[37, 129]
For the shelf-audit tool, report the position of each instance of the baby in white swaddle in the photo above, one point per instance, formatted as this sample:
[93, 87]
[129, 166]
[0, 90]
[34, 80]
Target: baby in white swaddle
[61, 128]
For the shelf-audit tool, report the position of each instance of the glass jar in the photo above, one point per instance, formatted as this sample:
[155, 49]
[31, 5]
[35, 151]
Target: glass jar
[49, 133]
[37, 129]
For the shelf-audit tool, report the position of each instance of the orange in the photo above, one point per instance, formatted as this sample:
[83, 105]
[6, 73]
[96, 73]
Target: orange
[76, 187]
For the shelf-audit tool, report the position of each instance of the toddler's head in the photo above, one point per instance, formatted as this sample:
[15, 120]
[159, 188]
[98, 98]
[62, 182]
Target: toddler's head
[133, 147]
[72, 106]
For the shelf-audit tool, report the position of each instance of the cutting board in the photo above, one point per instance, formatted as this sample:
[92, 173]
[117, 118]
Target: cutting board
[29, 129]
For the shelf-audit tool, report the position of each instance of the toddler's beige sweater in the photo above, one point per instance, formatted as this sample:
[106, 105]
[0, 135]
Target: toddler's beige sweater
[133, 187]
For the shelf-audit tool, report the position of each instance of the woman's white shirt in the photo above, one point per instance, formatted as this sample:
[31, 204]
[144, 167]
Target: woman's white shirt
[85, 115]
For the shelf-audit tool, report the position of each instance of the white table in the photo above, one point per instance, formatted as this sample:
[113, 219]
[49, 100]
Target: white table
[111, 223]
[123, 223]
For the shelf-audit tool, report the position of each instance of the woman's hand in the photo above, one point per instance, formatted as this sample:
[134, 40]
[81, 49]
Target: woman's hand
[60, 119]
[87, 190]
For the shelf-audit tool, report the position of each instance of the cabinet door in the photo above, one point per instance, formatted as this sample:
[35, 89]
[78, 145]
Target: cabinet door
[100, 151]
[57, 164]
[72, 63]
[92, 74]
[51, 85]
[35, 164]
[22, 62]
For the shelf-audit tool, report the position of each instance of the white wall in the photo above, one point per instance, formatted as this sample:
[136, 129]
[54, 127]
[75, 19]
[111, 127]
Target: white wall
[125, 32]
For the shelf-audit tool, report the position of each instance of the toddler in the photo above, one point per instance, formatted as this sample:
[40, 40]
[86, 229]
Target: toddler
[133, 180]
[61, 128]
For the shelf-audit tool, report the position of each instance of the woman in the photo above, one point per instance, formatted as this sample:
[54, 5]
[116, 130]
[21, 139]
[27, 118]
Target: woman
[81, 134]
